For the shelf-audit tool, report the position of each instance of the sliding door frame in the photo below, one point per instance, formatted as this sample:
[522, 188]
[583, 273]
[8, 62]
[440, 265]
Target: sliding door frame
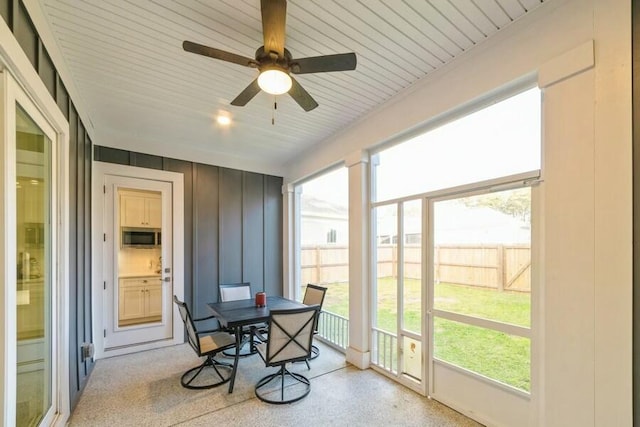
[19, 82]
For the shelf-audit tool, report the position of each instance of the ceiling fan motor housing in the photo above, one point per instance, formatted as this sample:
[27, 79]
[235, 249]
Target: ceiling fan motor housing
[271, 60]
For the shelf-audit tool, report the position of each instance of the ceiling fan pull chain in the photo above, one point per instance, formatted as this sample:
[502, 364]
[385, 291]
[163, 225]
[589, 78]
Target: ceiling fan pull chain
[273, 113]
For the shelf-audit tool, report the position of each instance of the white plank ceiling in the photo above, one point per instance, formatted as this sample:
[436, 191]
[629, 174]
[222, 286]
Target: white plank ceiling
[127, 63]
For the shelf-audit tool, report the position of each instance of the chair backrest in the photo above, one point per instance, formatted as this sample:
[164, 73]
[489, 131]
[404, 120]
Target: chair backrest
[234, 291]
[192, 332]
[290, 334]
[314, 294]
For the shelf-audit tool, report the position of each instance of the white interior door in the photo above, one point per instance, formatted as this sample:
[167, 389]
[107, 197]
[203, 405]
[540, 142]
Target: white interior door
[138, 256]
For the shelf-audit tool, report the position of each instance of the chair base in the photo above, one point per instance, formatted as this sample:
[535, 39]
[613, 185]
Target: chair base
[219, 371]
[277, 395]
[248, 351]
[315, 352]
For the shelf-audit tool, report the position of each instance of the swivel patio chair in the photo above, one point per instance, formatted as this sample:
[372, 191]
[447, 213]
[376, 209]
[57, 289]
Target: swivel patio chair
[289, 340]
[234, 292]
[313, 295]
[211, 373]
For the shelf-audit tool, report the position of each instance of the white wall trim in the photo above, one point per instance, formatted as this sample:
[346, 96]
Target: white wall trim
[360, 156]
[359, 359]
[100, 170]
[566, 65]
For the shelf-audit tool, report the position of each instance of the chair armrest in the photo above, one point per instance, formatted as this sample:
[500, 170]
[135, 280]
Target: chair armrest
[259, 333]
[211, 331]
[204, 318]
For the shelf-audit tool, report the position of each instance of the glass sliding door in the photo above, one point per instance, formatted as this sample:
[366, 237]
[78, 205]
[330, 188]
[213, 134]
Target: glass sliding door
[34, 284]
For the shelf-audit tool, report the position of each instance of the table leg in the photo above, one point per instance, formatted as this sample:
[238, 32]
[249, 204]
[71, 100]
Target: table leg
[236, 358]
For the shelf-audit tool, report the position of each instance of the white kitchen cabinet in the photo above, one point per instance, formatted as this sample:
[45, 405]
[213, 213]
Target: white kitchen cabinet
[140, 210]
[30, 202]
[31, 309]
[140, 300]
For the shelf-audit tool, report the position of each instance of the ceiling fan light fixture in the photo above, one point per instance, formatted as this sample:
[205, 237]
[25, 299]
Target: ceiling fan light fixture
[274, 81]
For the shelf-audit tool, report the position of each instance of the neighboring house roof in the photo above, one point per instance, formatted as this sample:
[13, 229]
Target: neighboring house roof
[315, 207]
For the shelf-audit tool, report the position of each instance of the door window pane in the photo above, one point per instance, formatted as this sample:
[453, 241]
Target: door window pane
[496, 355]
[139, 257]
[34, 281]
[386, 303]
[412, 266]
[482, 256]
[482, 269]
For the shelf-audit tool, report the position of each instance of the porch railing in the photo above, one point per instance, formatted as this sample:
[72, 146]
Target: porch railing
[384, 352]
[333, 329]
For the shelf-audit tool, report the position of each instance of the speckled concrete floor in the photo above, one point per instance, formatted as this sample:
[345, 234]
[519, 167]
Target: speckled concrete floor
[143, 389]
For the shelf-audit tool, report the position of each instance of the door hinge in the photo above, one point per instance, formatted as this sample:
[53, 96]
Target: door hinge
[104, 333]
[104, 189]
[104, 237]
[105, 285]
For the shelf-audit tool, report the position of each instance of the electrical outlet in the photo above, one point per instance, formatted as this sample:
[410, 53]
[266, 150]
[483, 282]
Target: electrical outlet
[87, 351]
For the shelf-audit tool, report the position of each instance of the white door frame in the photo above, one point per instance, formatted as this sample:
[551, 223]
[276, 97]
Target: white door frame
[100, 170]
[116, 335]
[20, 82]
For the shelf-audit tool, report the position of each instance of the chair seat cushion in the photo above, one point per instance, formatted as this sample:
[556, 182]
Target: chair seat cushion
[215, 341]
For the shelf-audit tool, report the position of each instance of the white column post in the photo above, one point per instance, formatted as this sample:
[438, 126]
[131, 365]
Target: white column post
[358, 352]
[288, 241]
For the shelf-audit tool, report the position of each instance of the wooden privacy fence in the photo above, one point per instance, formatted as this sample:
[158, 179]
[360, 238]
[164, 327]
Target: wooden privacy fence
[498, 266]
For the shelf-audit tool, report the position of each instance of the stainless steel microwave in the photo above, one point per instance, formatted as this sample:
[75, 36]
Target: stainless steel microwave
[140, 237]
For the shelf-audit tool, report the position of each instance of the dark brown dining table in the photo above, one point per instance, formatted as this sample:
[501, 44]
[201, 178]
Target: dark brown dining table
[240, 313]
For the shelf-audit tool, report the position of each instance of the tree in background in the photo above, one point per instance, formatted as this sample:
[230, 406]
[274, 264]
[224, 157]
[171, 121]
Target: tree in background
[516, 203]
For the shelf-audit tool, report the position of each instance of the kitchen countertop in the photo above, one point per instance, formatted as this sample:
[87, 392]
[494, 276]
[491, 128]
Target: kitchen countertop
[32, 280]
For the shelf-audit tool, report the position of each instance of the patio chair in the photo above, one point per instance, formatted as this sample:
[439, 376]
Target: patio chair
[289, 340]
[313, 295]
[234, 292]
[206, 344]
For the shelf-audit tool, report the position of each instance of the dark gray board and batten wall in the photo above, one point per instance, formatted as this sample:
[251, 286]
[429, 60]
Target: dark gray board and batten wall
[233, 225]
[17, 18]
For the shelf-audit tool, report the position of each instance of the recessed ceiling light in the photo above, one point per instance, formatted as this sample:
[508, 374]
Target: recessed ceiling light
[223, 120]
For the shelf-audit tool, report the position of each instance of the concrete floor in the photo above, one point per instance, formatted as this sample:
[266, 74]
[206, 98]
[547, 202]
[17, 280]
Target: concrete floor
[143, 389]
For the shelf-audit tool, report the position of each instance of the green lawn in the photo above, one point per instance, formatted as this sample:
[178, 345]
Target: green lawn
[496, 355]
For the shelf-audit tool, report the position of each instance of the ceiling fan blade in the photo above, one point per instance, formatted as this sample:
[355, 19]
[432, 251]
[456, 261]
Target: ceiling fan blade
[218, 54]
[274, 16]
[247, 94]
[301, 96]
[324, 64]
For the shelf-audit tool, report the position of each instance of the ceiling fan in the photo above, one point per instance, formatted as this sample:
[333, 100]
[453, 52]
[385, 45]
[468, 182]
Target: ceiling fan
[274, 61]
